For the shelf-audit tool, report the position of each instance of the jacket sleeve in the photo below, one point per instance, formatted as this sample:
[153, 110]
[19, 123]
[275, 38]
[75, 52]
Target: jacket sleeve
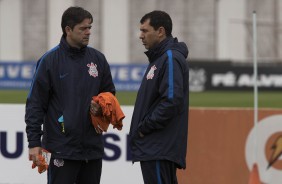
[172, 95]
[36, 104]
[107, 81]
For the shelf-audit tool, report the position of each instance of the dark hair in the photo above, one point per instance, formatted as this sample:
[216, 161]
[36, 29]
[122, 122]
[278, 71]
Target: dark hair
[159, 19]
[73, 16]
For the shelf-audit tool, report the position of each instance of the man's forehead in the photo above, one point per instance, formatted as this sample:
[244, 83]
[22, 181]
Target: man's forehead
[85, 23]
[145, 24]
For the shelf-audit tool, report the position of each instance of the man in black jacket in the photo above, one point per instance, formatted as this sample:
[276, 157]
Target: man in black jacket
[158, 132]
[65, 80]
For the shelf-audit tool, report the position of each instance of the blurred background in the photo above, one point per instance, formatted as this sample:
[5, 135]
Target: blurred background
[214, 30]
[219, 34]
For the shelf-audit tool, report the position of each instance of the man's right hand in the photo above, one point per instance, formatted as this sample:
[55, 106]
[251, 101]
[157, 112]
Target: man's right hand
[33, 154]
[95, 109]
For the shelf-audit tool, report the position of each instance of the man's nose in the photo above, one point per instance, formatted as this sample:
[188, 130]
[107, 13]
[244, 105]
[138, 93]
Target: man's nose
[88, 32]
[141, 36]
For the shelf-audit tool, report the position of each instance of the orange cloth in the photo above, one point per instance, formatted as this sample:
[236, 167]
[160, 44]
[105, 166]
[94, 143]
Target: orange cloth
[43, 166]
[112, 113]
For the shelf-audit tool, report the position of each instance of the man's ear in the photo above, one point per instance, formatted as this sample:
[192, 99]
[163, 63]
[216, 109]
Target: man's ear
[161, 31]
[68, 29]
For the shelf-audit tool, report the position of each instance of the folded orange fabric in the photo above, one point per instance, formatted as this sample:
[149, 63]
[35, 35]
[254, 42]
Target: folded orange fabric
[112, 113]
[43, 166]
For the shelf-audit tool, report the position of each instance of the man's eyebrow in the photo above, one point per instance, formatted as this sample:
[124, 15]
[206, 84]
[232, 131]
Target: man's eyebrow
[83, 27]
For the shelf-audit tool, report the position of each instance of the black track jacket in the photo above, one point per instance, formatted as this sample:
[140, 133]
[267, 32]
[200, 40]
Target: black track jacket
[64, 82]
[161, 107]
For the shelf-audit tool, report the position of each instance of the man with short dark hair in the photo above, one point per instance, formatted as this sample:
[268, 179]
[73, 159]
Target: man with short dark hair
[66, 79]
[159, 126]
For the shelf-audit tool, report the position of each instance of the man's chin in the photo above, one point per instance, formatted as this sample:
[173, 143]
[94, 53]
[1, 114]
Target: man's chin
[146, 47]
[85, 43]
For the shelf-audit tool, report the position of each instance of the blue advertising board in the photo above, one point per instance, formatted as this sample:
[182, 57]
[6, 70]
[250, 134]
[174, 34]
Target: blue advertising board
[203, 76]
[127, 77]
[18, 75]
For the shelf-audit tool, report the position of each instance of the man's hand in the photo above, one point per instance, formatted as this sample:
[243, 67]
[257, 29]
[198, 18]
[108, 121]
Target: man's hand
[98, 129]
[95, 109]
[33, 154]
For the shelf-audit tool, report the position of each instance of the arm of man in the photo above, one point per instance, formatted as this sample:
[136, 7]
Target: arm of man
[172, 95]
[36, 105]
[107, 84]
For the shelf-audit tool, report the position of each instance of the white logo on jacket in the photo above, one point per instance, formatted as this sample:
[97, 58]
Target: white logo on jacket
[151, 74]
[59, 162]
[92, 70]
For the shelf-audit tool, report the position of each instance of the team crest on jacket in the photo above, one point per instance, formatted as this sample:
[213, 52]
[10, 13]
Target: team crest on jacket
[151, 74]
[92, 70]
[59, 162]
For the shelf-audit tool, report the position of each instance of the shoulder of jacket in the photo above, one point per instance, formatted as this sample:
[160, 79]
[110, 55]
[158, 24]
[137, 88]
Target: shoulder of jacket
[98, 53]
[51, 53]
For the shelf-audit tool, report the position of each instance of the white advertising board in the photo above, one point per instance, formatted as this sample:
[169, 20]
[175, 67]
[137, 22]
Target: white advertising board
[15, 168]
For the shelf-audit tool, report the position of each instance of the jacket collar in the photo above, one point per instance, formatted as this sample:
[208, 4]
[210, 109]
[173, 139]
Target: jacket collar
[72, 51]
[158, 50]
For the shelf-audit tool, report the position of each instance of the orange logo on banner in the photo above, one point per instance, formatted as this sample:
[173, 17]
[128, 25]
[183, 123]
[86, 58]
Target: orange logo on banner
[274, 150]
[232, 140]
[269, 149]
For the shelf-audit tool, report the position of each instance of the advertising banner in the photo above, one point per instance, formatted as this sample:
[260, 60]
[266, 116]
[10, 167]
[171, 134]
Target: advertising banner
[203, 76]
[15, 168]
[18, 75]
[233, 76]
[127, 77]
[223, 145]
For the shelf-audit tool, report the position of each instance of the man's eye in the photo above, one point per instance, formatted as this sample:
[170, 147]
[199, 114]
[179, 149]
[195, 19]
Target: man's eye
[85, 28]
